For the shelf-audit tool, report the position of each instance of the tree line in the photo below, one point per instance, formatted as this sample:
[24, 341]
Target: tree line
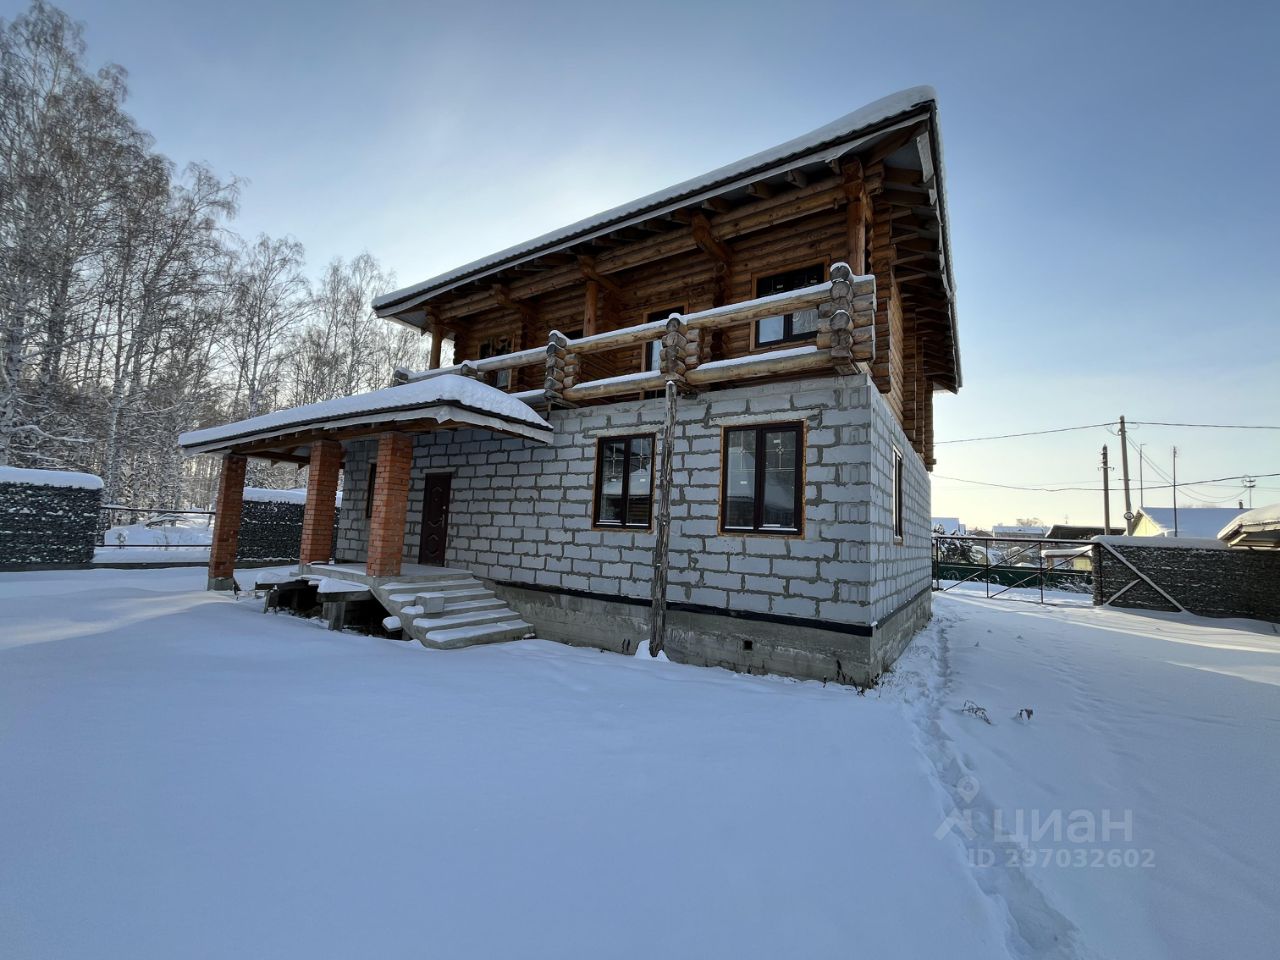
[129, 310]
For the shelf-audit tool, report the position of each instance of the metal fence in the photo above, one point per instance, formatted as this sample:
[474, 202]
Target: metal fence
[166, 529]
[1003, 565]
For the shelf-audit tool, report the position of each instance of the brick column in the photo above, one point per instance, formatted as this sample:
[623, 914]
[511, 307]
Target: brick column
[390, 505]
[226, 523]
[322, 488]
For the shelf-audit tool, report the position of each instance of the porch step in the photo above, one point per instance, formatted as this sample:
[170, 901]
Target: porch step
[463, 605]
[462, 619]
[455, 596]
[481, 633]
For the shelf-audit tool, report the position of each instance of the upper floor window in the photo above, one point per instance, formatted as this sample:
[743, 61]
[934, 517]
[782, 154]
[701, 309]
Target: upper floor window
[624, 481]
[788, 327]
[496, 347]
[761, 477]
[652, 357]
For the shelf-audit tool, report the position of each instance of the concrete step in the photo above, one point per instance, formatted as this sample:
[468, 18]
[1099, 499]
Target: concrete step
[464, 619]
[480, 633]
[433, 598]
[463, 605]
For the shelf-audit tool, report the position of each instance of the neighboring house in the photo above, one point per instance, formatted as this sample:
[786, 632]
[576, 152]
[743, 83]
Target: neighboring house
[1071, 531]
[1256, 528]
[1201, 523]
[947, 526]
[800, 301]
[1018, 531]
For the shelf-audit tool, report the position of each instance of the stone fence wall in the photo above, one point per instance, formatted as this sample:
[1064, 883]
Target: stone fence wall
[1205, 580]
[48, 517]
[271, 525]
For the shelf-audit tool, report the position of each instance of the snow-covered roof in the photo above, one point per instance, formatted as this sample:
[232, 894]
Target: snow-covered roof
[50, 478]
[1031, 531]
[1203, 522]
[1262, 523]
[838, 133]
[445, 398]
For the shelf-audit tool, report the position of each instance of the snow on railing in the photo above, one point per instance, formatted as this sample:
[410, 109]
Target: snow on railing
[845, 336]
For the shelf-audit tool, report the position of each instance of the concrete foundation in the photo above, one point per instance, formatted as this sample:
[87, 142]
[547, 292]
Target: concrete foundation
[789, 647]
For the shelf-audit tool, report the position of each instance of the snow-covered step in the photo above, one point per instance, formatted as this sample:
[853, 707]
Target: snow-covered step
[462, 605]
[478, 593]
[481, 633]
[463, 619]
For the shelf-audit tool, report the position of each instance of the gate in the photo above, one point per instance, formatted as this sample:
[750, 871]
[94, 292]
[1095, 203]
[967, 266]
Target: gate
[1008, 564]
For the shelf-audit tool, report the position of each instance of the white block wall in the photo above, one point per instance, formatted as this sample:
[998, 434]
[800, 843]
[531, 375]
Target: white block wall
[522, 513]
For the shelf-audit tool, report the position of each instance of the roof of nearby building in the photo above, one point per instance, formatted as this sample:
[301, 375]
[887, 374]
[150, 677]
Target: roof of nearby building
[836, 134]
[1072, 531]
[1028, 531]
[447, 398]
[1203, 522]
[1259, 526]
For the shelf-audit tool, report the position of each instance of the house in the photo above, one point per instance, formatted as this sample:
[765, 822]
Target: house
[1202, 523]
[1018, 531]
[1073, 531]
[1257, 528]
[947, 526]
[769, 336]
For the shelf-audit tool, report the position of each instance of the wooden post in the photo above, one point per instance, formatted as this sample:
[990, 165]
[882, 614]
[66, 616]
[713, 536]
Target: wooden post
[1106, 492]
[557, 359]
[658, 613]
[437, 340]
[1124, 467]
[591, 309]
[675, 347]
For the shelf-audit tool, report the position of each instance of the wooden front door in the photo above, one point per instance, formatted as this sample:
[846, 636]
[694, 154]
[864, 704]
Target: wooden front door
[435, 520]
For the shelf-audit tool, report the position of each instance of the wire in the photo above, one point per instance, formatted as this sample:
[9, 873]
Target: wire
[1029, 433]
[1164, 486]
[1206, 426]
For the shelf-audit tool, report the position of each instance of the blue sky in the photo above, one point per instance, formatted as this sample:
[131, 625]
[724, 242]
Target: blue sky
[1110, 175]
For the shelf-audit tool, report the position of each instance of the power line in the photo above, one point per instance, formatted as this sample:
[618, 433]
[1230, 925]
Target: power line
[1029, 433]
[1208, 426]
[1164, 486]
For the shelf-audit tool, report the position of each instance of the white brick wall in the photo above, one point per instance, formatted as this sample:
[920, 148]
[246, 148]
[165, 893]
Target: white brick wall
[522, 513]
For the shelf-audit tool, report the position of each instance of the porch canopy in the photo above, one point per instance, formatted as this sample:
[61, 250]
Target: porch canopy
[313, 434]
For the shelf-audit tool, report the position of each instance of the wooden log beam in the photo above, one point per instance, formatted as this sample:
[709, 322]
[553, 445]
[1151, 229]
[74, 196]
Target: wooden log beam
[705, 237]
[587, 266]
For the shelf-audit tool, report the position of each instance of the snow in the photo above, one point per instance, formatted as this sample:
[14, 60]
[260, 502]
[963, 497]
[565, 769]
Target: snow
[1252, 521]
[447, 397]
[50, 478]
[1201, 522]
[841, 131]
[181, 769]
[752, 358]
[1167, 717]
[329, 585]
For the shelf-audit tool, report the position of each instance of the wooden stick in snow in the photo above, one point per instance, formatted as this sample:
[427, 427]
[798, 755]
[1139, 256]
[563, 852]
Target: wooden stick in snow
[658, 613]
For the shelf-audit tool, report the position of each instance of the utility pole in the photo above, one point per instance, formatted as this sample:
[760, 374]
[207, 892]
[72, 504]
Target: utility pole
[1175, 491]
[1249, 484]
[1106, 492]
[1124, 468]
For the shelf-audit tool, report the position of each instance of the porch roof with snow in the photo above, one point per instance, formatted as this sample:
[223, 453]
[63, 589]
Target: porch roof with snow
[445, 402]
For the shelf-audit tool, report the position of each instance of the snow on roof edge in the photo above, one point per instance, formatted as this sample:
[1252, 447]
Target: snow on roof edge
[448, 390]
[50, 478]
[851, 124]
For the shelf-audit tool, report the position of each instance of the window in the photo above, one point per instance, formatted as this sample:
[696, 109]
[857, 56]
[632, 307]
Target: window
[624, 481]
[496, 347]
[788, 327]
[897, 494]
[652, 357]
[368, 497]
[761, 480]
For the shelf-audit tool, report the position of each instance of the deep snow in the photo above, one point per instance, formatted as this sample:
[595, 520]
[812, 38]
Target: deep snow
[185, 776]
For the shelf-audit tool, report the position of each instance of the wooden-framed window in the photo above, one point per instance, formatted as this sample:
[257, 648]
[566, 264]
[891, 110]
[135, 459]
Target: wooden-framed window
[368, 497]
[897, 494]
[651, 359]
[496, 347]
[788, 327]
[762, 479]
[624, 482]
